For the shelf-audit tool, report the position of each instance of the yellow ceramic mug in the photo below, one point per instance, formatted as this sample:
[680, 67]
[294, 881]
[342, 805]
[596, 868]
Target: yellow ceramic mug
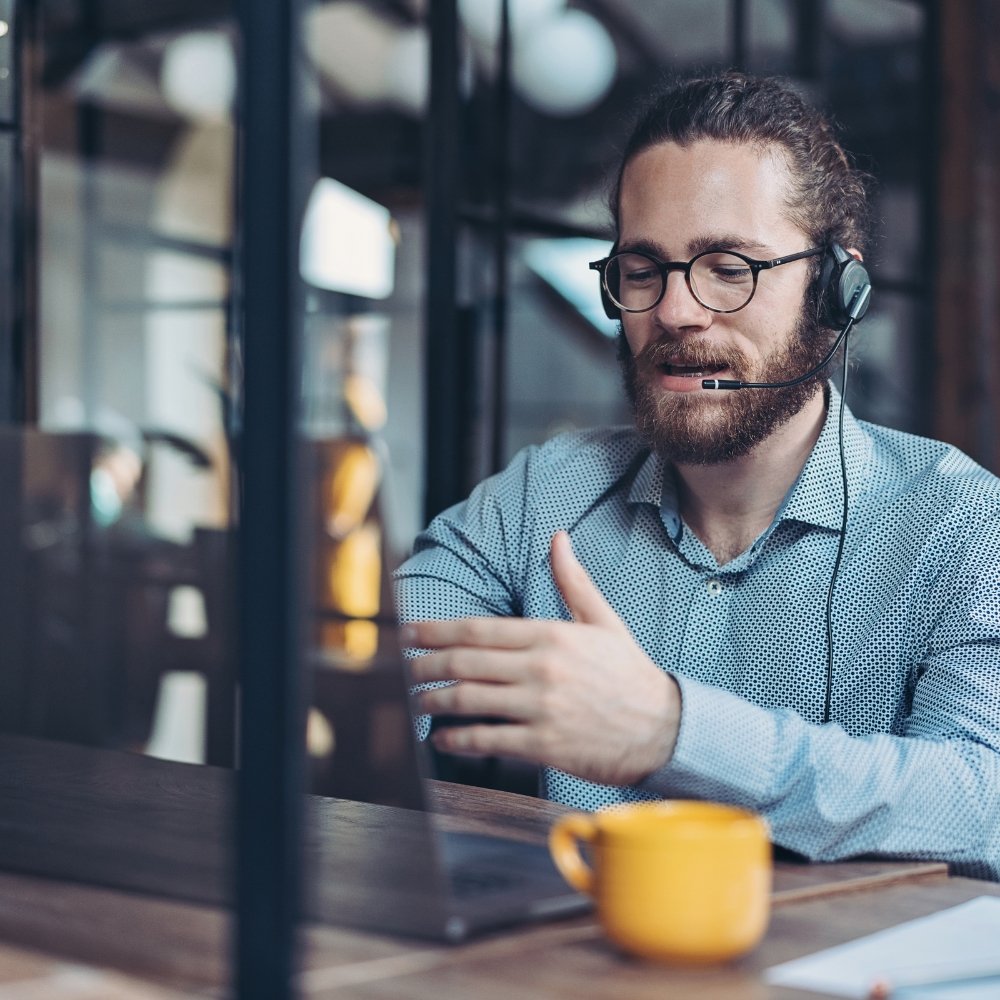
[682, 881]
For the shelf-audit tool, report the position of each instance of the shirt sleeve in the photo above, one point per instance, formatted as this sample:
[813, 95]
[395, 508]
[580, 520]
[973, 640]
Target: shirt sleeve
[928, 791]
[463, 565]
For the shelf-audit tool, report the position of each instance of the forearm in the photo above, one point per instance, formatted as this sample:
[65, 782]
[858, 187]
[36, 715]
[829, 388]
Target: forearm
[829, 795]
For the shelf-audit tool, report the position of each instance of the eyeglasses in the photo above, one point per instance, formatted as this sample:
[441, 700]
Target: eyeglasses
[723, 281]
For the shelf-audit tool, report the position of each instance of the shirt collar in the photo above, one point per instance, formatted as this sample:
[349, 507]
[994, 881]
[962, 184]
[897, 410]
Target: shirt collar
[815, 497]
[654, 484]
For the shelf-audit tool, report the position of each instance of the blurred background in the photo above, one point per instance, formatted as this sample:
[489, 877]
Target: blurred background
[464, 154]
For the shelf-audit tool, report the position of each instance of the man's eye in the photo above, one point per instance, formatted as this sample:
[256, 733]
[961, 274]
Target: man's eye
[724, 268]
[732, 274]
[640, 277]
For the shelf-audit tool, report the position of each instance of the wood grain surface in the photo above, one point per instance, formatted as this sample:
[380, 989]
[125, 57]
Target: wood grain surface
[117, 863]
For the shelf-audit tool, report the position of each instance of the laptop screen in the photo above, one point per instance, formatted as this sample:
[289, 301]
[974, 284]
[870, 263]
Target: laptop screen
[357, 671]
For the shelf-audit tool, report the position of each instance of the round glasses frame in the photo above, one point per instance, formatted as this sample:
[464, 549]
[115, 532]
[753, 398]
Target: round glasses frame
[664, 267]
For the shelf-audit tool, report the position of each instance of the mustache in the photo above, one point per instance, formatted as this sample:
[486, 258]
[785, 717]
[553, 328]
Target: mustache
[690, 354]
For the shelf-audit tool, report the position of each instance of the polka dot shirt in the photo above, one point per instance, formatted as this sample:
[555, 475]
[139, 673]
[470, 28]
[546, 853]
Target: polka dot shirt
[909, 766]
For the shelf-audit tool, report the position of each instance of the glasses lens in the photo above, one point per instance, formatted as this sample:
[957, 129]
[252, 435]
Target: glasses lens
[722, 281]
[633, 281]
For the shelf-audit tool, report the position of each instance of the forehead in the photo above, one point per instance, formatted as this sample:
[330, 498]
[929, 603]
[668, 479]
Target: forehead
[679, 195]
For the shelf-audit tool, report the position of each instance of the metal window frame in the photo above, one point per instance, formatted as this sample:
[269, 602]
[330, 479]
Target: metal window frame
[275, 147]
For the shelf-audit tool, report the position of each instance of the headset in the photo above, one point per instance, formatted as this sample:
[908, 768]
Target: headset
[845, 291]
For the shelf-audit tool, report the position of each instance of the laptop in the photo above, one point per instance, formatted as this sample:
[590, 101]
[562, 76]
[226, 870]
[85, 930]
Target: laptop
[390, 862]
[384, 860]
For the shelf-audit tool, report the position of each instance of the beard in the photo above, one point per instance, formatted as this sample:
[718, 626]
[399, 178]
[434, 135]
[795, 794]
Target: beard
[694, 428]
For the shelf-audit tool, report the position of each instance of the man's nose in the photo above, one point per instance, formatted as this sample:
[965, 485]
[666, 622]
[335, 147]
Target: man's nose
[679, 309]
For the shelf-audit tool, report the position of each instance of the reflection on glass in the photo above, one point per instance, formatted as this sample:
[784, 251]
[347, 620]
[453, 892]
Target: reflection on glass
[348, 242]
[359, 735]
[350, 556]
[563, 264]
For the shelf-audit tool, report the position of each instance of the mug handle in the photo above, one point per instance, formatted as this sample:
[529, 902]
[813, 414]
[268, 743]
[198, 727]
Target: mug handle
[565, 837]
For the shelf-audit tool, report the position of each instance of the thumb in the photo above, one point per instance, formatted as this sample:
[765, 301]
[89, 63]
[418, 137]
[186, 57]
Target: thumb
[584, 600]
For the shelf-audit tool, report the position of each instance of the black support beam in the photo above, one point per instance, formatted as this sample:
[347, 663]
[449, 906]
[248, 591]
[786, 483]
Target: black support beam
[274, 147]
[445, 430]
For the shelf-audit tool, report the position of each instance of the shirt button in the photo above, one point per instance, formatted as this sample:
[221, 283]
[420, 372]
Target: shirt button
[714, 588]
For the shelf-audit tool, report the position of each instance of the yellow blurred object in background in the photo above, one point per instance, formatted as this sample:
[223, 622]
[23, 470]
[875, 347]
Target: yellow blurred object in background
[354, 573]
[349, 486]
[349, 554]
[365, 402]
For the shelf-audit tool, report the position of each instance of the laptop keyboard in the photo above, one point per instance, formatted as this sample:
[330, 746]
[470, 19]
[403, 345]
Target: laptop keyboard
[468, 882]
[480, 866]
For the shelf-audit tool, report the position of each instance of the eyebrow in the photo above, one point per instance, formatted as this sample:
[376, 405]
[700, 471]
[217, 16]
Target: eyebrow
[710, 241]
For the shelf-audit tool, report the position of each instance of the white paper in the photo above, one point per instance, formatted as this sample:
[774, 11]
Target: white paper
[959, 941]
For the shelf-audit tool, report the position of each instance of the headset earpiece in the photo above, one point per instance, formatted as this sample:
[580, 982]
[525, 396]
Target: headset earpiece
[610, 309]
[842, 278]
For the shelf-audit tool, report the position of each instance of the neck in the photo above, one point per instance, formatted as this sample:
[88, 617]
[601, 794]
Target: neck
[728, 505]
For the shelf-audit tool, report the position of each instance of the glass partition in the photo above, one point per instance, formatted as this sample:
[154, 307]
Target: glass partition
[118, 491]
[136, 164]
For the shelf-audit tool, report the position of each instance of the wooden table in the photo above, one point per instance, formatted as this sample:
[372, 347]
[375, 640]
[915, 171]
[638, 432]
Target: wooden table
[65, 938]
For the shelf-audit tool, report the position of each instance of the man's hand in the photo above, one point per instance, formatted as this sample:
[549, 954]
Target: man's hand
[580, 696]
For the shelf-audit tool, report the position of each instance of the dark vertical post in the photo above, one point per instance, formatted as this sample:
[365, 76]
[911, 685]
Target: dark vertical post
[809, 18]
[26, 44]
[928, 153]
[88, 127]
[738, 34]
[445, 434]
[966, 408]
[501, 244]
[270, 803]
[12, 332]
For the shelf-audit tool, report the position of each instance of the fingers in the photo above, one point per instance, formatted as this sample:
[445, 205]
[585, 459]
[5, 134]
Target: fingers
[481, 633]
[510, 705]
[492, 740]
[463, 664]
[584, 600]
[499, 701]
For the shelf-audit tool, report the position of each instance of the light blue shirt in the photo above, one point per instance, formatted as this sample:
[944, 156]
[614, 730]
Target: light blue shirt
[910, 765]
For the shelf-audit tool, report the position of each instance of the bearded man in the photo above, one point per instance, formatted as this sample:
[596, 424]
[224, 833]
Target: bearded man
[752, 597]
